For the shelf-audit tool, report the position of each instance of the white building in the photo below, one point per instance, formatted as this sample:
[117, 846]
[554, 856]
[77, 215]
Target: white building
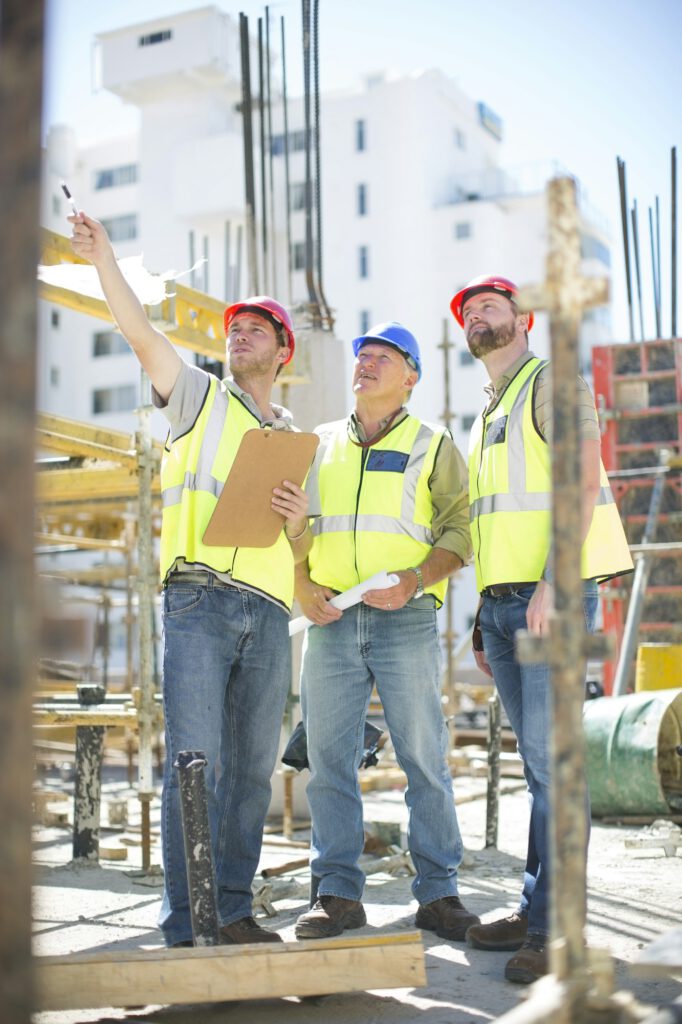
[414, 200]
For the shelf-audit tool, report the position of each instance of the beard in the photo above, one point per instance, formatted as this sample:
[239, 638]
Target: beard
[489, 339]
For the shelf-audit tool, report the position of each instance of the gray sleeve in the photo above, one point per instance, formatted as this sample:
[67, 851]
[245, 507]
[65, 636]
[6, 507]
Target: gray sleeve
[185, 400]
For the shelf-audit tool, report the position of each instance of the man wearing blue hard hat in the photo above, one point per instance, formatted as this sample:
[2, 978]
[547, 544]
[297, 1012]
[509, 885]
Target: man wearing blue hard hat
[391, 493]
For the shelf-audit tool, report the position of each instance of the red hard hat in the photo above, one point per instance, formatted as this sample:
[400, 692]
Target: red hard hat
[270, 309]
[501, 285]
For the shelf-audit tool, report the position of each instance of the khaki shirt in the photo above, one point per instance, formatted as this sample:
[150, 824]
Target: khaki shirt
[542, 400]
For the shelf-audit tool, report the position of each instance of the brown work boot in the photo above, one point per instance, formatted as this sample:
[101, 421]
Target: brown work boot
[447, 917]
[506, 933]
[237, 933]
[531, 961]
[330, 915]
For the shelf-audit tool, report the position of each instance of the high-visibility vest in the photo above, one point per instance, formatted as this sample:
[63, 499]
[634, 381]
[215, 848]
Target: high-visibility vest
[376, 509]
[194, 468]
[510, 497]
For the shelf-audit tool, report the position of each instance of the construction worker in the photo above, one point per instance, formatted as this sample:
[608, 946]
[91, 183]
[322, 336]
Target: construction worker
[390, 491]
[226, 667]
[510, 498]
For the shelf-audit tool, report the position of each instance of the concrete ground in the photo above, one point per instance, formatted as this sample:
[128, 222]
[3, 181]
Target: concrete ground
[634, 895]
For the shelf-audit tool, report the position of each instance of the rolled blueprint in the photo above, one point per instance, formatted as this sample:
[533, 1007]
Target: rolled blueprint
[380, 581]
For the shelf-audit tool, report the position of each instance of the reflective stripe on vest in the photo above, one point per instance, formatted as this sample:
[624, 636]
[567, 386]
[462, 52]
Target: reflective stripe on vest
[510, 499]
[371, 519]
[193, 472]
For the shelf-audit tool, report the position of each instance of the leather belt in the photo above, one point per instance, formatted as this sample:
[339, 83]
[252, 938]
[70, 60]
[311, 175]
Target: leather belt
[505, 589]
[197, 578]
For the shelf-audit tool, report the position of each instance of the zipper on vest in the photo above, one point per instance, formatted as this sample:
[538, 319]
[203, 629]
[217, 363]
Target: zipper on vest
[363, 460]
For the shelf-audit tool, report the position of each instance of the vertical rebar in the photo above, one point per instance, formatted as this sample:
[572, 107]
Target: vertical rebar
[654, 273]
[21, 70]
[287, 180]
[227, 276]
[88, 783]
[309, 262]
[249, 177]
[638, 276]
[673, 242]
[271, 176]
[263, 176]
[318, 168]
[198, 854]
[658, 266]
[626, 246]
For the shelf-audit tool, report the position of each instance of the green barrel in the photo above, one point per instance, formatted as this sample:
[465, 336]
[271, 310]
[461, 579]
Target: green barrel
[633, 744]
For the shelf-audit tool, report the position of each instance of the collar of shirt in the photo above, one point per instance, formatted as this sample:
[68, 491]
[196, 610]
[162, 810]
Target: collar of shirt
[358, 431]
[283, 418]
[496, 388]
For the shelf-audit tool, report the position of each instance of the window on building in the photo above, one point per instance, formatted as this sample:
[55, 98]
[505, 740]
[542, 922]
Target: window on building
[460, 138]
[109, 343]
[296, 142]
[54, 318]
[155, 37]
[117, 399]
[112, 177]
[121, 229]
[364, 321]
[362, 200]
[363, 261]
[468, 421]
[298, 256]
[592, 249]
[462, 230]
[297, 195]
[54, 376]
[360, 135]
[465, 358]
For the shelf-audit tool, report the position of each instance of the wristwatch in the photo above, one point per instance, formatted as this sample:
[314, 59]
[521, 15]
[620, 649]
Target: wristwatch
[419, 592]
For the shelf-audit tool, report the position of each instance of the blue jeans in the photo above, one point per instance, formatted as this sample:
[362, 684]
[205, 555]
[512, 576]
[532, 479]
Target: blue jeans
[226, 674]
[399, 652]
[526, 692]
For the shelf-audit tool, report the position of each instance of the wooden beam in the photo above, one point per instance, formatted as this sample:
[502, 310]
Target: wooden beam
[215, 974]
[73, 485]
[21, 82]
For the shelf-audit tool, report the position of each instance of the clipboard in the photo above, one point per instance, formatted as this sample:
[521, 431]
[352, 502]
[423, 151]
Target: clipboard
[243, 516]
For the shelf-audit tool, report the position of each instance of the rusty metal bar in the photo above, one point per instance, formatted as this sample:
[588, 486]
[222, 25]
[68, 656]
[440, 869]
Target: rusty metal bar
[196, 833]
[145, 610]
[249, 178]
[88, 784]
[21, 63]
[492, 804]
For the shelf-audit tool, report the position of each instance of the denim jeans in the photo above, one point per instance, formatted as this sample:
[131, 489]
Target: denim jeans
[399, 652]
[525, 691]
[226, 674]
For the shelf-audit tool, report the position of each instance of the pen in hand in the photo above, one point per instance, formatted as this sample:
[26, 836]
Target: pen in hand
[65, 190]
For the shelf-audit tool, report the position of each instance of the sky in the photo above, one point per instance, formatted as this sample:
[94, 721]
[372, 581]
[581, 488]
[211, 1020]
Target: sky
[576, 83]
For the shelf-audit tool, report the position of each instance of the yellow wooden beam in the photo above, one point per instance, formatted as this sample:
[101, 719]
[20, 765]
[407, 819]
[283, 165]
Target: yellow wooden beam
[74, 485]
[225, 973]
[93, 543]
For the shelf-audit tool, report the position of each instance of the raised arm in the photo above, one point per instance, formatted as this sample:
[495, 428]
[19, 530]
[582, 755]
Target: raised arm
[155, 352]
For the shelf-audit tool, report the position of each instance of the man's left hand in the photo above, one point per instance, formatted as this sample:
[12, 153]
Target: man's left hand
[540, 608]
[392, 598]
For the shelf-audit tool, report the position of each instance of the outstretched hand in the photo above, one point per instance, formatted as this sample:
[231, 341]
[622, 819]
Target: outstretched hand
[89, 239]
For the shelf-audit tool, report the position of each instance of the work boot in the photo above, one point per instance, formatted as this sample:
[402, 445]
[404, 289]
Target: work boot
[238, 933]
[330, 915]
[531, 961]
[506, 933]
[447, 917]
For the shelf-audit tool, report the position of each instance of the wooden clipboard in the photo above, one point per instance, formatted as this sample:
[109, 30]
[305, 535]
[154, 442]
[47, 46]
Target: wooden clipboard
[243, 516]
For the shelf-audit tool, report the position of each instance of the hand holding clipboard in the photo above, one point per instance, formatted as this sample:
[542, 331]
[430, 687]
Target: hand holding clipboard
[243, 516]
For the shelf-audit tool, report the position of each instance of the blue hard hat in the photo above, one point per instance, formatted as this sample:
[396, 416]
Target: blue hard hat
[398, 337]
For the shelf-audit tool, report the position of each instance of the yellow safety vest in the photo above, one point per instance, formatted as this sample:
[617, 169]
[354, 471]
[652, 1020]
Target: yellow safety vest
[375, 503]
[510, 497]
[194, 468]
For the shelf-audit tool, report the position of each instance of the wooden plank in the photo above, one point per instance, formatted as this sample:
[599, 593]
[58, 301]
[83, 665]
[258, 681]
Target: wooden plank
[216, 974]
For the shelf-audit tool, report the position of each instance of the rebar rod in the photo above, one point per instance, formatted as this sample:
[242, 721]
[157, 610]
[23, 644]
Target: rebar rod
[287, 179]
[249, 177]
[654, 266]
[626, 246]
[309, 259]
[673, 242]
[638, 276]
[263, 177]
[271, 175]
